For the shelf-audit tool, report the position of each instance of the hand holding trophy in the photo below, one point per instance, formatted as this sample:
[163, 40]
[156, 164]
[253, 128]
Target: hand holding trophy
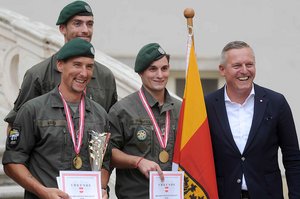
[97, 148]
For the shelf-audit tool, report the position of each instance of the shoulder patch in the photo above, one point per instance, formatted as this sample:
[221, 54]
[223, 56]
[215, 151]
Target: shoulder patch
[13, 137]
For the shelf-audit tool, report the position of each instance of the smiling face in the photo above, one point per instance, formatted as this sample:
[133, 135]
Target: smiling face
[239, 71]
[76, 73]
[155, 77]
[78, 26]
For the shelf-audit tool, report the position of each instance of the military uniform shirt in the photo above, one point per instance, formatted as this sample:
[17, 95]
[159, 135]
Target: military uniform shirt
[44, 76]
[41, 140]
[133, 133]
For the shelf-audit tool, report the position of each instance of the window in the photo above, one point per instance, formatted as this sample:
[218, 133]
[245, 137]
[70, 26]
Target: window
[208, 85]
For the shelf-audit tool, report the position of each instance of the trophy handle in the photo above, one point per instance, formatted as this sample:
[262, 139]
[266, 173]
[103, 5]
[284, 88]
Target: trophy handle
[106, 144]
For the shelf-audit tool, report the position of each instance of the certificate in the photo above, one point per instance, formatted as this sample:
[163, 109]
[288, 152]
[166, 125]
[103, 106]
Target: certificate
[170, 188]
[80, 184]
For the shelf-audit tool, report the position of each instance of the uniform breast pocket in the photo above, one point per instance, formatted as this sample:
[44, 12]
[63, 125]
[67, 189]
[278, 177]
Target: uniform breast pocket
[171, 140]
[98, 126]
[51, 131]
[47, 86]
[142, 137]
[96, 94]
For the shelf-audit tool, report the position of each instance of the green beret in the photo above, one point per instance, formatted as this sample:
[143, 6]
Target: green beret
[76, 48]
[149, 53]
[72, 9]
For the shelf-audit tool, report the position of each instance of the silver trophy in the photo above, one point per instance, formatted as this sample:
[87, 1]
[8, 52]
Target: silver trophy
[97, 148]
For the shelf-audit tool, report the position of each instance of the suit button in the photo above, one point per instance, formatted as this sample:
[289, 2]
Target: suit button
[243, 159]
[238, 181]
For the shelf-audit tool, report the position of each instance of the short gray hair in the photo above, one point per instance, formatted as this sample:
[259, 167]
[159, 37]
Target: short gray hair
[233, 45]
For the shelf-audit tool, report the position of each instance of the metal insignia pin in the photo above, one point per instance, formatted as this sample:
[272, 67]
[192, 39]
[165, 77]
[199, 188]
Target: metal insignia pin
[88, 8]
[161, 51]
[141, 135]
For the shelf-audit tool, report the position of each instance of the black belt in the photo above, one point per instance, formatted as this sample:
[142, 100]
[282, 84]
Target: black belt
[245, 194]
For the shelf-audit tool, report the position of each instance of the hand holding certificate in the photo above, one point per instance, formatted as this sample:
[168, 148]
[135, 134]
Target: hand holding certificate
[80, 184]
[171, 187]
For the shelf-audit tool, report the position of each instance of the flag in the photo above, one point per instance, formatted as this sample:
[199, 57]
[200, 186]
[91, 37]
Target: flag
[193, 150]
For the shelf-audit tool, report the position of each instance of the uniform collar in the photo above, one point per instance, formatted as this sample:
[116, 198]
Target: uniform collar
[168, 104]
[56, 101]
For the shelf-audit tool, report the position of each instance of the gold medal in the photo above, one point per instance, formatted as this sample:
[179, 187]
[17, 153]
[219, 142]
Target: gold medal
[76, 137]
[77, 162]
[163, 156]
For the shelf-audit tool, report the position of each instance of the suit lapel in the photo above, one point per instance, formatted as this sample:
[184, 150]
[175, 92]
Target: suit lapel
[220, 111]
[260, 104]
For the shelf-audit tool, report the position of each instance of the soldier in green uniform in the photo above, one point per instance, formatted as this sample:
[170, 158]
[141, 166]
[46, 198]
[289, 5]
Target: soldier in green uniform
[51, 132]
[141, 144]
[75, 20]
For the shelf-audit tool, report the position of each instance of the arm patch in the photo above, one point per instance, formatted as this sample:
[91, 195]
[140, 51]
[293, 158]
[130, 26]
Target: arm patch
[13, 137]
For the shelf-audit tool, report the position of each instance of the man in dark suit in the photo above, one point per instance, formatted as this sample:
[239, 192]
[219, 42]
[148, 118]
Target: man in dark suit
[248, 124]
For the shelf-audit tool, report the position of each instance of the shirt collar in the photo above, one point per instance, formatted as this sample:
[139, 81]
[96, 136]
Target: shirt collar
[227, 99]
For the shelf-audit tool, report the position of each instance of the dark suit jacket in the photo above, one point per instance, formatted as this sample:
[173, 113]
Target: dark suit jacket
[272, 127]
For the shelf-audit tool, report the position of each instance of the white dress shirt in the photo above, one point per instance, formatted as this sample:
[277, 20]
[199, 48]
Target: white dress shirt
[240, 119]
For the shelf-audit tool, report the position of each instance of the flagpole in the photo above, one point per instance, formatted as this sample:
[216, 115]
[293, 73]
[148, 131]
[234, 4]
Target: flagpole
[193, 152]
[189, 14]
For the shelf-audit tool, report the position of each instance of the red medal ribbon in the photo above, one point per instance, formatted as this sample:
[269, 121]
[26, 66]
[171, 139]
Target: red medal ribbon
[162, 141]
[77, 145]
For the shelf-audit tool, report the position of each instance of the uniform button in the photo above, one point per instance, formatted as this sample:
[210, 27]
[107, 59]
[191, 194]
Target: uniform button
[243, 158]
[238, 181]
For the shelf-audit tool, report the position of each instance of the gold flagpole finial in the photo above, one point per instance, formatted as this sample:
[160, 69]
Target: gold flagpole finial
[189, 14]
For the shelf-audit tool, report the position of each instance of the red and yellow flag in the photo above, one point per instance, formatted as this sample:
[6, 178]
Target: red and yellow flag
[193, 150]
